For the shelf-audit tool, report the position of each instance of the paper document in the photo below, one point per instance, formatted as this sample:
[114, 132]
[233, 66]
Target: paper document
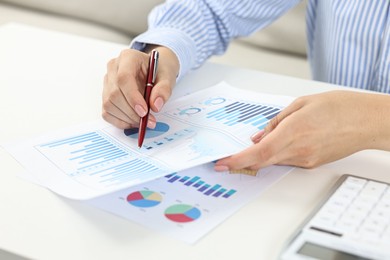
[187, 205]
[94, 159]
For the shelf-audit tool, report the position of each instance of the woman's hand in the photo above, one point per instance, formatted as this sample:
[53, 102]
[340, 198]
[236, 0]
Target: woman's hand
[317, 129]
[124, 84]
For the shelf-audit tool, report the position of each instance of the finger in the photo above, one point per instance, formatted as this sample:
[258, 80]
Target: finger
[130, 79]
[116, 121]
[244, 159]
[268, 144]
[113, 110]
[160, 94]
[112, 90]
[114, 101]
[116, 117]
[151, 121]
[257, 136]
[275, 121]
[264, 153]
[167, 72]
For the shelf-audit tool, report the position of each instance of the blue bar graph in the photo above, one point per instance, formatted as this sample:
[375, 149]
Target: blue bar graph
[212, 189]
[229, 193]
[181, 134]
[199, 185]
[204, 187]
[173, 179]
[98, 156]
[192, 181]
[184, 179]
[218, 193]
[245, 113]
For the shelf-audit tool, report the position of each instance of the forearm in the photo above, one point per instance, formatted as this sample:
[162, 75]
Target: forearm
[194, 30]
[378, 125]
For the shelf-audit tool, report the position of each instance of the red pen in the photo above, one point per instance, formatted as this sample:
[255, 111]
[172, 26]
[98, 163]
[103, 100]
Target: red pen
[150, 80]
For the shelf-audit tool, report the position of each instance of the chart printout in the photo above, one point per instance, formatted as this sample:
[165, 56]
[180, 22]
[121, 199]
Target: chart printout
[186, 205]
[96, 158]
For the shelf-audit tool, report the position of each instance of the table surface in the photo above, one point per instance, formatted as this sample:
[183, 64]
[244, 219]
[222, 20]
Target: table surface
[50, 80]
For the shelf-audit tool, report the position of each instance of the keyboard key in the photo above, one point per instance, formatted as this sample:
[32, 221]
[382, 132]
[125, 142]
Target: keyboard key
[373, 189]
[355, 181]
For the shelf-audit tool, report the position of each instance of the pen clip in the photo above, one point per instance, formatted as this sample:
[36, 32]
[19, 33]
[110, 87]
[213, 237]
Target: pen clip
[155, 62]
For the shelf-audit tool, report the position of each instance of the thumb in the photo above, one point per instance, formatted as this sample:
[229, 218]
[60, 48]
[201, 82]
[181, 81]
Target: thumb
[275, 121]
[160, 94]
[167, 71]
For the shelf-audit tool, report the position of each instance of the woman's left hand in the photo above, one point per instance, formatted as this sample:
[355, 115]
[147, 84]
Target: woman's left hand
[318, 129]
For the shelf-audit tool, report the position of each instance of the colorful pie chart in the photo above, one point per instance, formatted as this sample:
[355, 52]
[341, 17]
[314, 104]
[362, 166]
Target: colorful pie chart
[161, 128]
[144, 198]
[182, 213]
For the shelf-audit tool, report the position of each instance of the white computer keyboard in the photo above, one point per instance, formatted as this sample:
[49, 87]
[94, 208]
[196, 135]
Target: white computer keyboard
[352, 223]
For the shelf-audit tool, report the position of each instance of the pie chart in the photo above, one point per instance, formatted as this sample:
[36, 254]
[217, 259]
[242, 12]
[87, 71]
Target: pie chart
[144, 198]
[190, 111]
[161, 128]
[215, 101]
[182, 213]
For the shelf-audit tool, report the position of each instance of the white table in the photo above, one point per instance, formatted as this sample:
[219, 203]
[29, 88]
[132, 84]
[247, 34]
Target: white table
[50, 80]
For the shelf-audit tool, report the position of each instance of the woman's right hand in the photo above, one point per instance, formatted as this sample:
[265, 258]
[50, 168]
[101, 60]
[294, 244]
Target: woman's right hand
[124, 84]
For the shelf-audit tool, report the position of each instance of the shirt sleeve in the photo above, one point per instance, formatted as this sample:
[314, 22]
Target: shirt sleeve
[197, 29]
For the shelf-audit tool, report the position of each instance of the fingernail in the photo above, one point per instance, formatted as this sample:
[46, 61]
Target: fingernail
[151, 124]
[221, 168]
[158, 103]
[140, 110]
[257, 135]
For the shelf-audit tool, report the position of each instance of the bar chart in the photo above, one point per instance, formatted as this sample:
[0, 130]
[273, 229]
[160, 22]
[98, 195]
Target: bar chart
[196, 182]
[226, 114]
[97, 157]
[188, 204]
[244, 113]
[180, 134]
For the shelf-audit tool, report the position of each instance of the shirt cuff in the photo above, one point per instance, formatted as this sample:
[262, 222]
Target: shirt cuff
[176, 40]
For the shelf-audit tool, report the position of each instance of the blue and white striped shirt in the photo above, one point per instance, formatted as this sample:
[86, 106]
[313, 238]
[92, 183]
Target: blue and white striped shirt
[348, 41]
